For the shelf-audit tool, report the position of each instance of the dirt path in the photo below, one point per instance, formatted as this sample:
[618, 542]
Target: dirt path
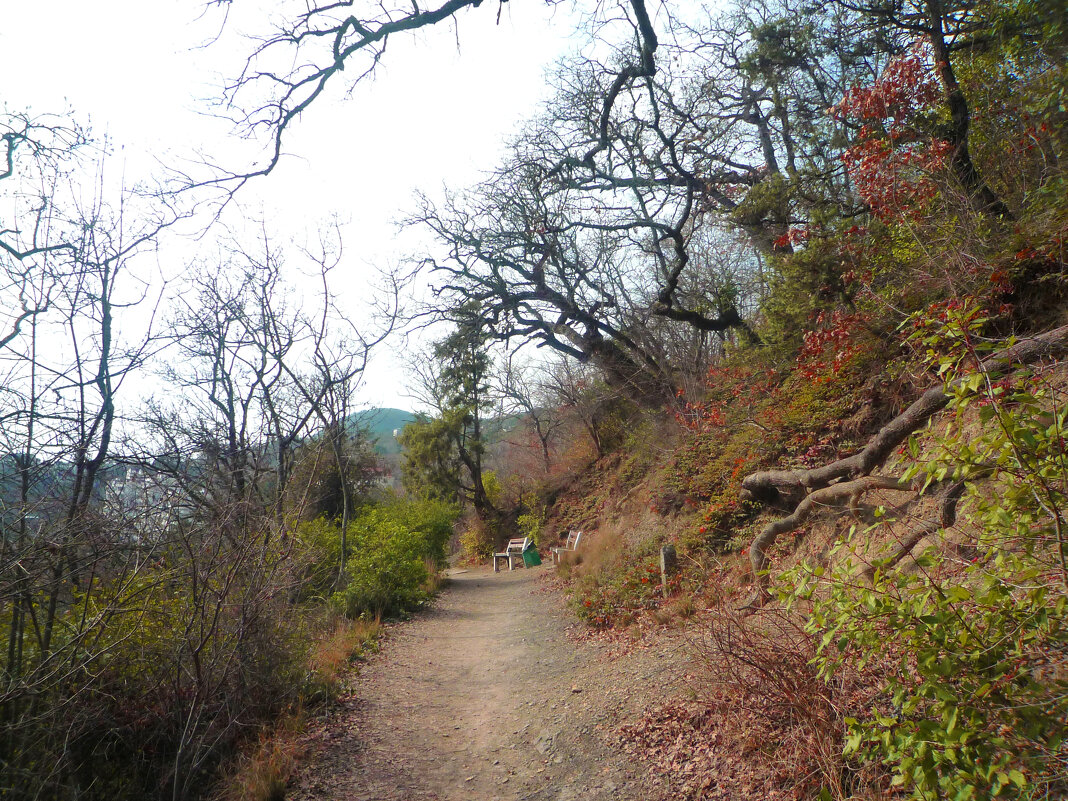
[485, 697]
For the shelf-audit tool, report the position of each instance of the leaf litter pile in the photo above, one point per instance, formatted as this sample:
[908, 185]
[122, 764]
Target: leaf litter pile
[715, 749]
[759, 723]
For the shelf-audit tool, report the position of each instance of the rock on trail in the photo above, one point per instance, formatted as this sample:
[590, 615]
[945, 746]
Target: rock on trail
[482, 697]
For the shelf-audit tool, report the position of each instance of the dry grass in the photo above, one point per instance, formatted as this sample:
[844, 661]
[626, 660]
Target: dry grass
[331, 655]
[262, 771]
[435, 577]
[661, 616]
[683, 607]
[264, 767]
[598, 551]
[761, 681]
[758, 724]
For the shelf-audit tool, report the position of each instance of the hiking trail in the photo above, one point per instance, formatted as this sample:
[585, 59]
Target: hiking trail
[485, 696]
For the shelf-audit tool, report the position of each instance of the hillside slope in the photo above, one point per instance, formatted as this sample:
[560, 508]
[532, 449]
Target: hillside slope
[908, 624]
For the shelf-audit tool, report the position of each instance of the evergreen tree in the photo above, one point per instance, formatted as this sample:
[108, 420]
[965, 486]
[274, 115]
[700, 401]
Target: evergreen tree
[443, 455]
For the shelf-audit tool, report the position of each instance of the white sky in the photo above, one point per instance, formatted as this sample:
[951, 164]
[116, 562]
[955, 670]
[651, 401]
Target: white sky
[435, 114]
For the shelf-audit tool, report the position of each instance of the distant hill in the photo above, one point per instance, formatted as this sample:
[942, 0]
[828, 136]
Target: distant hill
[379, 425]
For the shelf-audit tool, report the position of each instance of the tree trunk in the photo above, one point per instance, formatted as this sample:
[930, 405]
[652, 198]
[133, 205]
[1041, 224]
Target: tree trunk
[981, 197]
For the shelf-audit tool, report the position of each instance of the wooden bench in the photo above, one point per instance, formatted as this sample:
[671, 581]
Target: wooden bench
[570, 546]
[514, 550]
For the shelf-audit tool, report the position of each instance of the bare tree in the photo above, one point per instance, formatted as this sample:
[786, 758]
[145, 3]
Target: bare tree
[68, 257]
[530, 274]
[524, 393]
[259, 379]
[261, 369]
[593, 237]
[580, 391]
[312, 47]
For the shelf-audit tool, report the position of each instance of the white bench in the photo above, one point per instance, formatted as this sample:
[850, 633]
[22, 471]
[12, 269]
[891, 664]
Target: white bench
[514, 550]
[570, 546]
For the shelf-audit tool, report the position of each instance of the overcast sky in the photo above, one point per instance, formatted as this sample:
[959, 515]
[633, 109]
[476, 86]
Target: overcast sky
[436, 113]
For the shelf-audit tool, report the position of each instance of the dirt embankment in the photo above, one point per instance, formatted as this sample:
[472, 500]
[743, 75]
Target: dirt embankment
[486, 696]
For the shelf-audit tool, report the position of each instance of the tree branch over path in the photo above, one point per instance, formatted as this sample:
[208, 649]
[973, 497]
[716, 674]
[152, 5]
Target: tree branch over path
[321, 42]
[644, 68]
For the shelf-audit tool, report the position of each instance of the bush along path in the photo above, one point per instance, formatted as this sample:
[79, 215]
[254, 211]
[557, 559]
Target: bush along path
[485, 696]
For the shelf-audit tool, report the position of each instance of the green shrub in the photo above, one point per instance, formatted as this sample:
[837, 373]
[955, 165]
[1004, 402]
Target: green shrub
[432, 519]
[977, 706]
[531, 521]
[391, 549]
[967, 714]
[492, 484]
[477, 541]
[385, 570]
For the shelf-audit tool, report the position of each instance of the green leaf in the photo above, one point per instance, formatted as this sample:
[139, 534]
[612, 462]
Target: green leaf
[958, 593]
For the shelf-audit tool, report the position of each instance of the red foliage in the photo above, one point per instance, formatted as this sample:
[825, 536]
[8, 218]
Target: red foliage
[894, 157]
[905, 88]
[793, 237]
[699, 415]
[828, 347]
[727, 387]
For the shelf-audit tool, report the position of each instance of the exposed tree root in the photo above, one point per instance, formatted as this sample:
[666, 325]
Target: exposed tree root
[946, 518]
[804, 490]
[786, 488]
[847, 492]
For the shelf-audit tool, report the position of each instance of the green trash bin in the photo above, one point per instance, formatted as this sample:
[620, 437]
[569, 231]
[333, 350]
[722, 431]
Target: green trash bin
[531, 557]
